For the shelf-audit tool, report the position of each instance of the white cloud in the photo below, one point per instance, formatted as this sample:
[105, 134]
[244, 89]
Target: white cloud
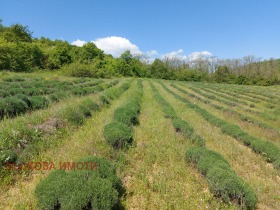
[179, 54]
[152, 53]
[197, 55]
[175, 54]
[116, 45]
[78, 43]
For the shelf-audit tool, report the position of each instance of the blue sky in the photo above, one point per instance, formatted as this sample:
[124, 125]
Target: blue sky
[223, 28]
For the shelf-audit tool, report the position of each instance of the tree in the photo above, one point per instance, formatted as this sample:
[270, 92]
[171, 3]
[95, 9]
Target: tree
[222, 74]
[159, 69]
[1, 26]
[126, 56]
[17, 33]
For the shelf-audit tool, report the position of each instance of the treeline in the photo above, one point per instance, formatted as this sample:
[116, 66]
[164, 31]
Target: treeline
[20, 52]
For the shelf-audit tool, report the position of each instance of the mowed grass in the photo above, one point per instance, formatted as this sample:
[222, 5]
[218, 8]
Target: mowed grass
[156, 175]
[248, 165]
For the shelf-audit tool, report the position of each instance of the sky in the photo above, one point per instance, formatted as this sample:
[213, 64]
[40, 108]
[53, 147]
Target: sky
[181, 28]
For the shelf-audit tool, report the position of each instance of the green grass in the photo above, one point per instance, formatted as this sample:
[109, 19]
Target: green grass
[184, 153]
[268, 150]
[222, 180]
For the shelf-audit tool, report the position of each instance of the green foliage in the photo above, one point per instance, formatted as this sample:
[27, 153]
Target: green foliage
[114, 93]
[73, 115]
[12, 106]
[128, 114]
[182, 126]
[17, 33]
[159, 69]
[222, 74]
[55, 97]
[85, 110]
[118, 134]
[91, 105]
[7, 156]
[3, 93]
[20, 56]
[20, 52]
[81, 70]
[86, 54]
[222, 180]
[97, 188]
[38, 102]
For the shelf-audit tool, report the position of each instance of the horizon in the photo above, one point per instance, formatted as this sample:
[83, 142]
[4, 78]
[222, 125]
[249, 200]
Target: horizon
[171, 28]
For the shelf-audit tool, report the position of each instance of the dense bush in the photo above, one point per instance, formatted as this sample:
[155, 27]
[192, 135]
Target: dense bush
[85, 110]
[81, 70]
[182, 126]
[12, 106]
[38, 102]
[73, 115]
[128, 114]
[118, 134]
[97, 188]
[91, 105]
[222, 180]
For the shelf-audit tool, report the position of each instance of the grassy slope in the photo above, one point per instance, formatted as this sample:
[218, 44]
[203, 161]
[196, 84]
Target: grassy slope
[250, 166]
[88, 140]
[156, 175]
[153, 170]
[242, 107]
[248, 127]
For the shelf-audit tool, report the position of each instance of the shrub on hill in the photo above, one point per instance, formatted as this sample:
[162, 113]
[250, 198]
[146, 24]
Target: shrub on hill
[223, 181]
[91, 105]
[73, 115]
[12, 106]
[118, 134]
[128, 114]
[86, 112]
[97, 188]
[38, 102]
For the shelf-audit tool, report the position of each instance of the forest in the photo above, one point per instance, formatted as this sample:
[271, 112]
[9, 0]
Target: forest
[20, 52]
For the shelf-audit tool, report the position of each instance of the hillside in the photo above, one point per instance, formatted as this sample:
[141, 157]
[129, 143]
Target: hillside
[148, 144]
